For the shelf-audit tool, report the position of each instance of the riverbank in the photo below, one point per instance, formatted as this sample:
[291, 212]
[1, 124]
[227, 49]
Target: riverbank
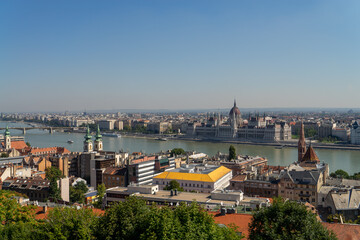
[284, 144]
[278, 145]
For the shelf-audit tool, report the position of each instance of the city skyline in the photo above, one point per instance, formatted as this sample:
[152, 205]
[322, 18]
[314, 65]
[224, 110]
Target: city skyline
[178, 55]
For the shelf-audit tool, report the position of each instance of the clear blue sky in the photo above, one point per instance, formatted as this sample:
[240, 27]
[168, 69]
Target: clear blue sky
[177, 54]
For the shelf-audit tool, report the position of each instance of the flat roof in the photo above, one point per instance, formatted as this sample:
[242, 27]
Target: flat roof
[202, 198]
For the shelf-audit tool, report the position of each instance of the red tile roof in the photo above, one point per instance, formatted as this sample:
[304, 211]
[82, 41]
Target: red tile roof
[342, 231]
[310, 156]
[18, 145]
[49, 150]
[240, 220]
[40, 214]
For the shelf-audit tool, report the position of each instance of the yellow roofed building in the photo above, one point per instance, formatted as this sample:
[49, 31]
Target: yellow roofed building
[198, 178]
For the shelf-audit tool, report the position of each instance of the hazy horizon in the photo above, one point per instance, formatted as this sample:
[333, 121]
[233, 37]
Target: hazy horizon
[73, 55]
[222, 110]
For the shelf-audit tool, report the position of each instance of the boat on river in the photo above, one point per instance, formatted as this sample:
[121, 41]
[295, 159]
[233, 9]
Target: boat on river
[111, 135]
[162, 139]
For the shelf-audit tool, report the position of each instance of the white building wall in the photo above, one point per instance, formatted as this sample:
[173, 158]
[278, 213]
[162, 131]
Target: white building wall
[355, 136]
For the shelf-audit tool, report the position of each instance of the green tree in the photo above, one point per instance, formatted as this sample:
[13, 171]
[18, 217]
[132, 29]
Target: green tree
[69, 223]
[77, 192]
[101, 189]
[177, 151]
[287, 220]
[22, 230]
[92, 126]
[340, 174]
[4, 155]
[331, 217]
[11, 212]
[174, 185]
[124, 220]
[310, 132]
[53, 174]
[133, 219]
[28, 144]
[232, 152]
[356, 176]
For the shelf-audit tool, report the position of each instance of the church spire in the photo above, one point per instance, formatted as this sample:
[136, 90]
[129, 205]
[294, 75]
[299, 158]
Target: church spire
[98, 135]
[88, 145]
[7, 139]
[301, 143]
[98, 146]
[7, 132]
[234, 102]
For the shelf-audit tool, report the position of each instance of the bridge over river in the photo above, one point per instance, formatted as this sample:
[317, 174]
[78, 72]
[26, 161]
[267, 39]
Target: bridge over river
[50, 129]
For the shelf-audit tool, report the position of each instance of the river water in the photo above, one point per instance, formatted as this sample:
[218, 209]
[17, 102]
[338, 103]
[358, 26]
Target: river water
[348, 160]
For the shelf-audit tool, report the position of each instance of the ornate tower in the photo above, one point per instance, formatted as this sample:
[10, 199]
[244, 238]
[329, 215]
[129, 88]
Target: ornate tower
[234, 125]
[88, 145]
[301, 143]
[98, 144]
[7, 139]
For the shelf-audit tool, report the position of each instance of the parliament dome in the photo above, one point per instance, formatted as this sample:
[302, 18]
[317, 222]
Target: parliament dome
[235, 110]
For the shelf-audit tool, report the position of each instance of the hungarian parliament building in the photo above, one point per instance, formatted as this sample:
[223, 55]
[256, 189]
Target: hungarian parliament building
[255, 129]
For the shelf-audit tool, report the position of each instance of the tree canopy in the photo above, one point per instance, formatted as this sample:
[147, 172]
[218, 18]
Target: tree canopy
[101, 189]
[287, 220]
[232, 152]
[53, 174]
[69, 223]
[178, 151]
[340, 174]
[174, 185]
[133, 219]
[77, 192]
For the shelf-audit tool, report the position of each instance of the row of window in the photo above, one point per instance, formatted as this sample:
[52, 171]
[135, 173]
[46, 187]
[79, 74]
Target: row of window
[113, 178]
[187, 185]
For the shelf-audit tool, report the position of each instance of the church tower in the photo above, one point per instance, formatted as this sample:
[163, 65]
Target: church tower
[98, 145]
[301, 143]
[7, 139]
[88, 145]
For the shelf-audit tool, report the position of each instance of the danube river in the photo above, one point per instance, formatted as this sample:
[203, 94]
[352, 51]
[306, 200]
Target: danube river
[348, 160]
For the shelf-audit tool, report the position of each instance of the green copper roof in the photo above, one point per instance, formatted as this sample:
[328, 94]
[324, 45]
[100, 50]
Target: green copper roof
[7, 132]
[98, 135]
[88, 137]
